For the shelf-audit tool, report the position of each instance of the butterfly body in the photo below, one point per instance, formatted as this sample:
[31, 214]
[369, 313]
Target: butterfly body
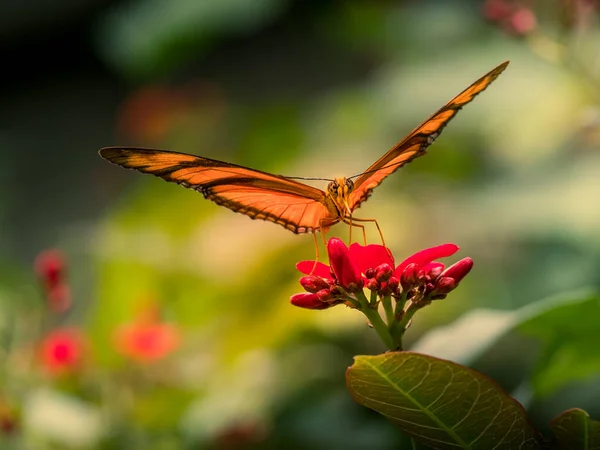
[296, 206]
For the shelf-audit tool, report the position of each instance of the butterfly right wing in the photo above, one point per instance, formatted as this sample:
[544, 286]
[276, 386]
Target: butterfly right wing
[259, 195]
[416, 143]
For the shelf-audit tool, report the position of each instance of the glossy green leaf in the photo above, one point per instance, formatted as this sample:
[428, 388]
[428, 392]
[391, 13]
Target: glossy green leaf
[574, 430]
[440, 403]
[566, 327]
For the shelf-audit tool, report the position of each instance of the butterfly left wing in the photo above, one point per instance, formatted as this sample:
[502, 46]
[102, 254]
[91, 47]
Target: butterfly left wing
[416, 143]
[259, 195]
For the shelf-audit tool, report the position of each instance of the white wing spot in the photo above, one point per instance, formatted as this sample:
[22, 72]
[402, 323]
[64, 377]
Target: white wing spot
[432, 137]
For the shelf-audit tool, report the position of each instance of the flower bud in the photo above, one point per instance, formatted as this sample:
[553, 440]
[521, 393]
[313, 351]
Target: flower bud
[383, 272]
[313, 284]
[385, 290]
[393, 284]
[458, 270]
[408, 278]
[433, 270]
[444, 285]
[373, 285]
[370, 273]
[308, 301]
[324, 295]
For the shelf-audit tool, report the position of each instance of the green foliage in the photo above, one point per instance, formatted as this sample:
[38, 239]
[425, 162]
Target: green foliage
[441, 404]
[564, 327]
[574, 430]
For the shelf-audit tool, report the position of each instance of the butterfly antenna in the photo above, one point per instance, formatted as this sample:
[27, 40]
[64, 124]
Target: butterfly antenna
[375, 170]
[308, 179]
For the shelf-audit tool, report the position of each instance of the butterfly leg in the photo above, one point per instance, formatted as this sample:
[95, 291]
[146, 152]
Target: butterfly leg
[362, 227]
[376, 224]
[316, 253]
[317, 245]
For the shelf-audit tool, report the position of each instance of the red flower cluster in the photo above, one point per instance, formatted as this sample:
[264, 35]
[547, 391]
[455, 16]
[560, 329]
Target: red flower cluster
[51, 269]
[419, 276]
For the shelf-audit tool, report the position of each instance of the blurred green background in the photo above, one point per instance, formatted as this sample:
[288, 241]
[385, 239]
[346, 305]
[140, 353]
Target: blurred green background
[302, 88]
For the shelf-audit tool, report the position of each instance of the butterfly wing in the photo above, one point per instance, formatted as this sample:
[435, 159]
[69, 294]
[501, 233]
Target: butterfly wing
[259, 195]
[416, 143]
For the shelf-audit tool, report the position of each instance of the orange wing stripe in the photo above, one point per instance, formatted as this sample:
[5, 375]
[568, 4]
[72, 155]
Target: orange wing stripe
[259, 195]
[416, 143]
[297, 214]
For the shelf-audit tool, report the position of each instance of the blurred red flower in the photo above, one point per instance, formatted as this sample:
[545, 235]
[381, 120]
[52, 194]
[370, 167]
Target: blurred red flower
[51, 268]
[514, 16]
[147, 339]
[62, 351]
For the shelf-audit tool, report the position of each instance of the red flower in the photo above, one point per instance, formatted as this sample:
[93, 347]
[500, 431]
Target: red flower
[350, 270]
[62, 351]
[147, 339]
[372, 266]
[420, 269]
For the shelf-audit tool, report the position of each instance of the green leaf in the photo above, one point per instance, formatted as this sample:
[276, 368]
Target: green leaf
[574, 430]
[440, 403]
[566, 327]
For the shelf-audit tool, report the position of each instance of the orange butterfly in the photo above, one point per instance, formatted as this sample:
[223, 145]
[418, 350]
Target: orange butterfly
[296, 206]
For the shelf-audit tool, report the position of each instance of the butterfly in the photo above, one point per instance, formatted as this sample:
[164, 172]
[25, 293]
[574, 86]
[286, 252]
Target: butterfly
[297, 206]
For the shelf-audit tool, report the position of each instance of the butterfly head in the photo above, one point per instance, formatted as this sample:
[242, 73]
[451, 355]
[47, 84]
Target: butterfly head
[339, 190]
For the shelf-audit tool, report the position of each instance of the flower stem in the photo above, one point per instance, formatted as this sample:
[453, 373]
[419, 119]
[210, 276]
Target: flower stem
[400, 325]
[373, 300]
[389, 312]
[380, 327]
[376, 321]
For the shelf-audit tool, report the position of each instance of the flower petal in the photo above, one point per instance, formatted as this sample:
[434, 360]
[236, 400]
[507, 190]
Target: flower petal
[321, 270]
[370, 256]
[342, 265]
[426, 256]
